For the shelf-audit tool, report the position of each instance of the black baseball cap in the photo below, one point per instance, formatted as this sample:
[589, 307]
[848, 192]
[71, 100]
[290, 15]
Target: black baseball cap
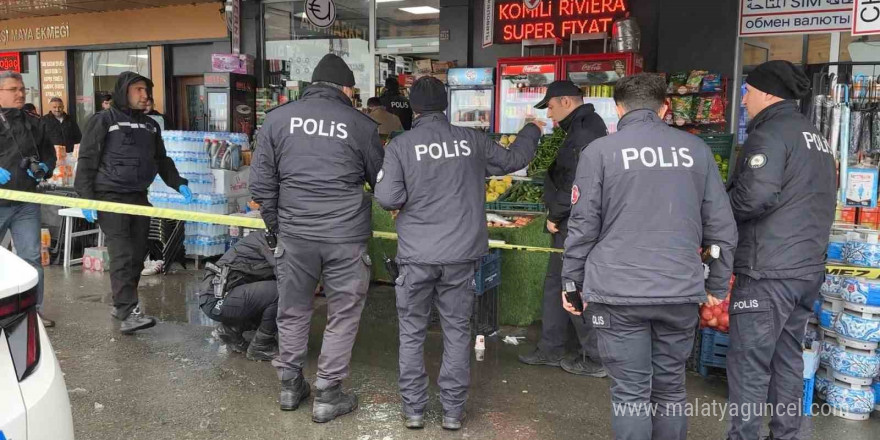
[558, 89]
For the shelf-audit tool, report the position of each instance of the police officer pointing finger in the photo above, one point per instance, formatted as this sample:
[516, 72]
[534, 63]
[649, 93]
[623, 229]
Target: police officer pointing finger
[783, 197]
[644, 200]
[435, 175]
[308, 174]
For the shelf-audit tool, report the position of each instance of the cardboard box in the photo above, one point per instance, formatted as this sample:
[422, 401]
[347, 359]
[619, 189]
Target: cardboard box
[231, 183]
[442, 66]
[441, 76]
[230, 62]
[96, 259]
[423, 66]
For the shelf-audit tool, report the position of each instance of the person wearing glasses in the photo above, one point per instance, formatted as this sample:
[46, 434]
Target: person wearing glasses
[27, 156]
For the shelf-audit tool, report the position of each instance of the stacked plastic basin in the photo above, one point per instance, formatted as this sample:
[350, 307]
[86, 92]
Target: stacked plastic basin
[849, 329]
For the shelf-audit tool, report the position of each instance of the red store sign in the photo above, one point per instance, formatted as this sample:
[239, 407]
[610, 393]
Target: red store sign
[514, 22]
[10, 61]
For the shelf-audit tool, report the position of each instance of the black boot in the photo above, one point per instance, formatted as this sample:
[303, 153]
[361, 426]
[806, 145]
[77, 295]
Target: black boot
[293, 392]
[231, 336]
[332, 403]
[263, 347]
[538, 357]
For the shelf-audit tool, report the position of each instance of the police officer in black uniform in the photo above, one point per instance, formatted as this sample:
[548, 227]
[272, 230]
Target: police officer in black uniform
[435, 175]
[120, 155]
[644, 200]
[396, 103]
[582, 125]
[240, 292]
[308, 175]
[783, 197]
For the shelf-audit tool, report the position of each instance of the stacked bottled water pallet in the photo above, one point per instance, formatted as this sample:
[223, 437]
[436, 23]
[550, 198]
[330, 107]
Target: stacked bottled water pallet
[193, 162]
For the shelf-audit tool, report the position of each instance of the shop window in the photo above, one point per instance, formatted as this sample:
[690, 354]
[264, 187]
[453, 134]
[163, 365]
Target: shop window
[294, 46]
[96, 74]
[30, 73]
[757, 50]
[408, 26]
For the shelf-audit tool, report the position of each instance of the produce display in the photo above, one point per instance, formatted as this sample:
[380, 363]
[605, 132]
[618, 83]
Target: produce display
[524, 192]
[546, 154]
[496, 187]
[723, 166]
[499, 221]
[716, 317]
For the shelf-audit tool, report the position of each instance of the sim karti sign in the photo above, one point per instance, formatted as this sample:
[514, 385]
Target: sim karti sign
[515, 22]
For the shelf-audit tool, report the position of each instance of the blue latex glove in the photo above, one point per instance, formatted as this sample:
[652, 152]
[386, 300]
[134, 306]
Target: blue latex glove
[4, 176]
[43, 167]
[186, 193]
[90, 214]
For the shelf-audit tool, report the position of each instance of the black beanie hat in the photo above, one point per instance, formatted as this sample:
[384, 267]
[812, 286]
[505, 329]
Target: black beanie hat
[392, 84]
[333, 69]
[780, 78]
[428, 95]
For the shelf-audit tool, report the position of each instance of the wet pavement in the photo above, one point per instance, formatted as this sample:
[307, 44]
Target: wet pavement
[177, 382]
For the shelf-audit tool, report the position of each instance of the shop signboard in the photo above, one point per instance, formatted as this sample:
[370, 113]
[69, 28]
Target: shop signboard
[780, 17]
[236, 26]
[10, 61]
[53, 76]
[866, 17]
[488, 22]
[516, 20]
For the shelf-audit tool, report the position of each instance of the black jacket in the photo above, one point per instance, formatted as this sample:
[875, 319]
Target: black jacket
[250, 260]
[645, 199]
[122, 149]
[435, 174]
[582, 126]
[63, 133]
[26, 136]
[783, 195]
[397, 104]
[308, 171]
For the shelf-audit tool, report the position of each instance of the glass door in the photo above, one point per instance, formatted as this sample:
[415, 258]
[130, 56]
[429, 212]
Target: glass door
[471, 108]
[521, 87]
[195, 108]
[218, 111]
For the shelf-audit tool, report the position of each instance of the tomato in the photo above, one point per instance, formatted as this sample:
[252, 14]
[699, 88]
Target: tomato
[723, 328]
[703, 323]
[717, 310]
[713, 322]
[706, 313]
[725, 320]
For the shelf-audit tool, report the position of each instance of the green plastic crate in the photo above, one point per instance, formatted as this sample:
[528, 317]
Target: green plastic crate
[503, 205]
[721, 144]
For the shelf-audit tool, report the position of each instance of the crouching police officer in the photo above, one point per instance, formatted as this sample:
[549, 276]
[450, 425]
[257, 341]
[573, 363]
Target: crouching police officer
[783, 197]
[240, 292]
[308, 175]
[644, 200]
[435, 175]
[120, 155]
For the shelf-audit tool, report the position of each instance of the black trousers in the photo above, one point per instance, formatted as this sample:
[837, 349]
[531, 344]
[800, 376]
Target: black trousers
[644, 349]
[765, 362]
[126, 237]
[249, 306]
[554, 319]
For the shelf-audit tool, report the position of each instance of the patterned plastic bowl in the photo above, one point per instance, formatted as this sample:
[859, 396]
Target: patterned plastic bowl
[835, 250]
[860, 291]
[862, 254]
[877, 394]
[826, 318]
[833, 285]
[855, 363]
[856, 401]
[829, 350]
[851, 326]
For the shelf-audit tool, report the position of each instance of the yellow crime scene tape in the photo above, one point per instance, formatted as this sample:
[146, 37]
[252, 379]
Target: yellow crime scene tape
[191, 216]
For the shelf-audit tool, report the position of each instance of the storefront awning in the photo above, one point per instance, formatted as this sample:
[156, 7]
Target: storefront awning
[45, 8]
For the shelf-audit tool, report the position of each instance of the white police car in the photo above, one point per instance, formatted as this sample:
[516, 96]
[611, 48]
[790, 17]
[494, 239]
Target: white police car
[33, 397]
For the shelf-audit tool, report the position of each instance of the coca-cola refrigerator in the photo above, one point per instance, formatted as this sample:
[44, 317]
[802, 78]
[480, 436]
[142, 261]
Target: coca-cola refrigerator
[596, 75]
[522, 83]
[230, 102]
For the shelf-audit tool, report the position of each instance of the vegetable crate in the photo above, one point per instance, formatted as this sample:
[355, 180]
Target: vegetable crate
[721, 144]
[506, 203]
[488, 276]
[713, 350]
